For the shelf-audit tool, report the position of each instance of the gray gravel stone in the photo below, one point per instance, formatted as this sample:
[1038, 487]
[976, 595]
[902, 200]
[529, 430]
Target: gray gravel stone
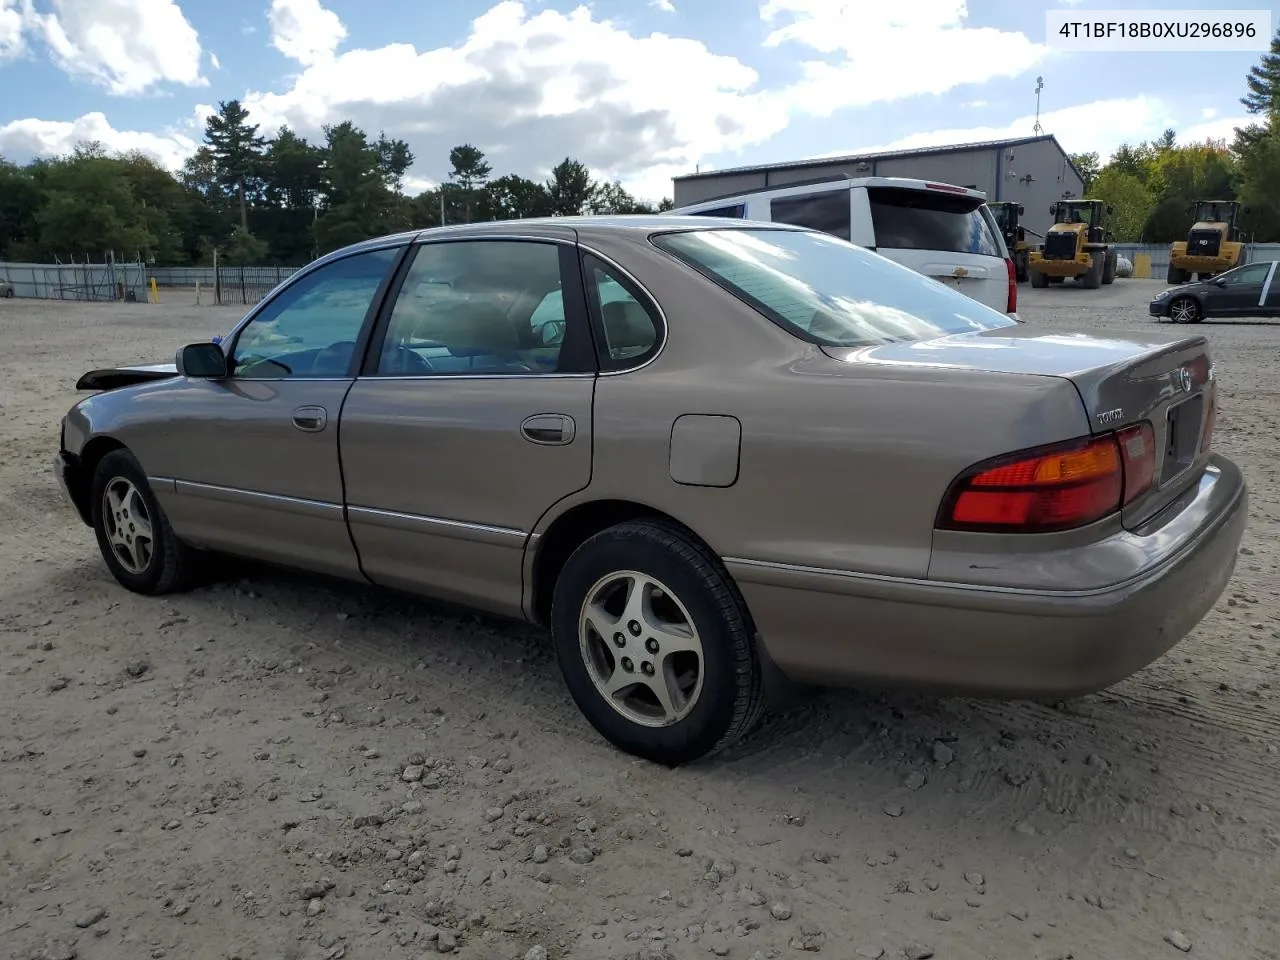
[540, 854]
[412, 773]
[918, 951]
[943, 754]
[90, 917]
[1178, 940]
[447, 942]
[581, 855]
[780, 911]
[538, 952]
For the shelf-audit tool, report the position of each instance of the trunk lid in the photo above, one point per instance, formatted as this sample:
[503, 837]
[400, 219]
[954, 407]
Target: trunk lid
[1166, 381]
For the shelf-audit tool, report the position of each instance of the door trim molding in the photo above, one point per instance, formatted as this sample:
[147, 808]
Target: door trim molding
[255, 498]
[437, 526]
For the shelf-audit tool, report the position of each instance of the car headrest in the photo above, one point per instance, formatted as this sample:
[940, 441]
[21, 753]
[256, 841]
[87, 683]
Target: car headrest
[467, 327]
[627, 325]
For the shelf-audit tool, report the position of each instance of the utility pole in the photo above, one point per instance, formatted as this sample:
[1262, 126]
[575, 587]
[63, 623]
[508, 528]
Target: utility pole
[1039, 86]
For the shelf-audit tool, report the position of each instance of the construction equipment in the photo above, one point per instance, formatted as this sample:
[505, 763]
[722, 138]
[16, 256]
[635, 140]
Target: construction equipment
[1076, 246]
[1213, 244]
[1007, 214]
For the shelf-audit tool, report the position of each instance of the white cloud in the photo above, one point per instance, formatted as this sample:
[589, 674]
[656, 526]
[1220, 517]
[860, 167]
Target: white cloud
[887, 52]
[127, 46]
[214, 61]
[12, 23]
[974, 104]
[1102, 126]
[1214, 128]
[1208, 113]
[666, 6]
[47, 138]
[305, 31]
[529, 88]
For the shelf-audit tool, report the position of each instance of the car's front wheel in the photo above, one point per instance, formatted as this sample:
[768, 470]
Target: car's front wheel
[655, 644]
[140, 548]
[1184, 310]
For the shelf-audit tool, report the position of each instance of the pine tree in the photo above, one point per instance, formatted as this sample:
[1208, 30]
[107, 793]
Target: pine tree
[236, 148]
[1264, 82]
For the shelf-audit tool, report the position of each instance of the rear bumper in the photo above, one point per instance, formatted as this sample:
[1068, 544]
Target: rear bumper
[844, 629]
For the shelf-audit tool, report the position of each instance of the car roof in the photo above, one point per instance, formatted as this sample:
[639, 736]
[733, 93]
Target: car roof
[636, 225]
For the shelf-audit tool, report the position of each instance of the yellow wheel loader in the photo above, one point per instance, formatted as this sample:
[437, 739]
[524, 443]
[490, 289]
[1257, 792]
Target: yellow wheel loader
[1008, 214]
[1213, 244]
[1076, 246]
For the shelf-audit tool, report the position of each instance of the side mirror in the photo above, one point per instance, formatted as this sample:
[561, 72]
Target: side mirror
[1053, 211]
[205, 360]
[1110, 209]
[1021, 211]
[1219, 282]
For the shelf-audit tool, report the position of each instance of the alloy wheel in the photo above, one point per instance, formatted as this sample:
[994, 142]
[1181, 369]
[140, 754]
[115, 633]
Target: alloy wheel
[128, 525]
[641, 648]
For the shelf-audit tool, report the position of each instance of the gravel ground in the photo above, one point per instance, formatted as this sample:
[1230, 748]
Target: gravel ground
[278, 767]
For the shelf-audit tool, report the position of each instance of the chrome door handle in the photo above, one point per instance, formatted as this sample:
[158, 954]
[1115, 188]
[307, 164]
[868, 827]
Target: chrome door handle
[552, 429]
[310, 419]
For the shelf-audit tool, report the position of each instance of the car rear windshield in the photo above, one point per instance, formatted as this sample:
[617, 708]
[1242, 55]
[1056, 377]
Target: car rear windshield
[826, 290]
[930, 220]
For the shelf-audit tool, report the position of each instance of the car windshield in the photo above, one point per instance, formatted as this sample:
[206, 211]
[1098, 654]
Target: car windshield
[826, 290]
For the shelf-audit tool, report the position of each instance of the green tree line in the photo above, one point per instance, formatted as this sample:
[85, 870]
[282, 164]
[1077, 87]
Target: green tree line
[1153, 187]
[258, 199]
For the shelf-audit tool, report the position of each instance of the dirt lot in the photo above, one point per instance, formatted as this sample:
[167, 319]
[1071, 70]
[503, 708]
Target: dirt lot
[223, 774]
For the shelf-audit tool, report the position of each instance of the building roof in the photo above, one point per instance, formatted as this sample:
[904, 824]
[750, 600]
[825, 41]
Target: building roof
[884, 155]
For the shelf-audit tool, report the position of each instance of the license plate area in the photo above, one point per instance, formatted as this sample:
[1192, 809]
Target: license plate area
[1182, 437]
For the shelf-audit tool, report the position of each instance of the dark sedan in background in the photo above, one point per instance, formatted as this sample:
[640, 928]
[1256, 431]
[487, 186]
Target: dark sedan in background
[1246, 291]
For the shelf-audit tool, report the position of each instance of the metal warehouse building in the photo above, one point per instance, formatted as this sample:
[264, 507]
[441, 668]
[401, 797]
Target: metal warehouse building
[1033, 171]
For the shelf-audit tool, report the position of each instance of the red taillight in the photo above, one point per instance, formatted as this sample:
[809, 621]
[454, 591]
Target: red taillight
[1013, 287]
[1138, 453]
[949, 187]
[1053, 488]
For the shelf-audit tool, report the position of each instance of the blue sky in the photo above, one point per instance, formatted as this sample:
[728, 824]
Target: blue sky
[640, 90]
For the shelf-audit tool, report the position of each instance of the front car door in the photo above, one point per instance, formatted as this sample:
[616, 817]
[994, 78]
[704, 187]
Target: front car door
[1238, 292]
[472, 415]
[254, 457]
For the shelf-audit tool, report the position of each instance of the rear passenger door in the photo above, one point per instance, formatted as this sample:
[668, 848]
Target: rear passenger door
[942, 235]
[471, 416]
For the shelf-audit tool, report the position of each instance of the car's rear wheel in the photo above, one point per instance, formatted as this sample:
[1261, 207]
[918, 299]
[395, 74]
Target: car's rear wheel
[138, 544]
[655, 644]
[1185, 310]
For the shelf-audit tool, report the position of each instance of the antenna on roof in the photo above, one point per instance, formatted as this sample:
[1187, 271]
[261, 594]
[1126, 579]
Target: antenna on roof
[1039, 86]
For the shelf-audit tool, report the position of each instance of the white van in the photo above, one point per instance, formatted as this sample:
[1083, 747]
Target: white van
[938, 229]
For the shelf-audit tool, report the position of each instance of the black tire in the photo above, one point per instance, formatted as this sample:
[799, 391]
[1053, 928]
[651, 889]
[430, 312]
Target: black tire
[1190, 311]
[9, 293]
[1109, 268]
[1039, 280]
[732, 695]
[1092, 278]
[171, 566]
[1175, 276]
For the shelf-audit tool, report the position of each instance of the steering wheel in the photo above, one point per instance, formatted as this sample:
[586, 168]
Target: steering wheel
[410, 361]
[336, 355]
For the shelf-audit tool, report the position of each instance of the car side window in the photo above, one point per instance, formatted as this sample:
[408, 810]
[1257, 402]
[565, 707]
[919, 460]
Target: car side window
[1253, 273]
[826, 210]
[310, 329]
[632, 332]
[477, 307]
